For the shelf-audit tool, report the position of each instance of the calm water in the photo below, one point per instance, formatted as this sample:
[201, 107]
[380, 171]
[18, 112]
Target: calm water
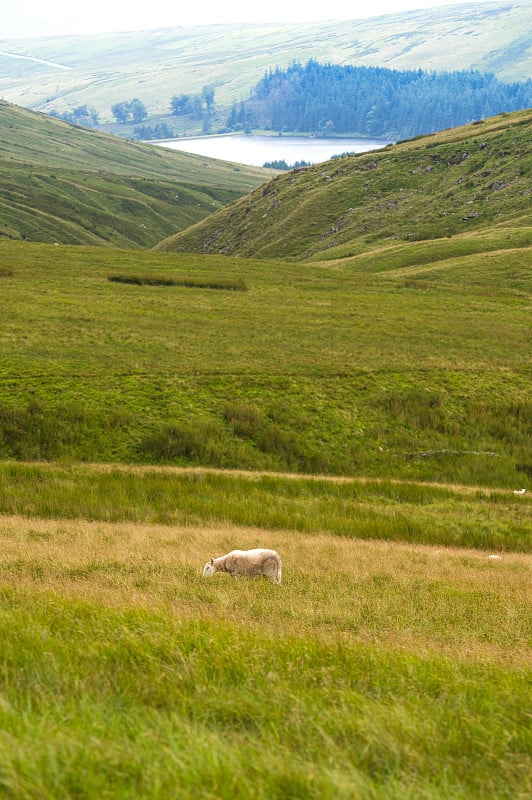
[256, 150]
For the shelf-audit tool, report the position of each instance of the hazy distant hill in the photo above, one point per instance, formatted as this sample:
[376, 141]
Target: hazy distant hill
[61, 183]
[62, 73]
[457, 181]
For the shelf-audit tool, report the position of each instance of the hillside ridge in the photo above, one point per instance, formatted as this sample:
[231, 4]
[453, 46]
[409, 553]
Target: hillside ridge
[66, 184]
[463, 179]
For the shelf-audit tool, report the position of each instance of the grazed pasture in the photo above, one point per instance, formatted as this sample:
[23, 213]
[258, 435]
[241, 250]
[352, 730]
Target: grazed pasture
[376, 670]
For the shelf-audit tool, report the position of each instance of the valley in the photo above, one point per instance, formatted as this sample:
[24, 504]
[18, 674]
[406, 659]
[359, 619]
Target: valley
[199, 356]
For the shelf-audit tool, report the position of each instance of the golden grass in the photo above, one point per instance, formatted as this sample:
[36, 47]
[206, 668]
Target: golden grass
[432, 599]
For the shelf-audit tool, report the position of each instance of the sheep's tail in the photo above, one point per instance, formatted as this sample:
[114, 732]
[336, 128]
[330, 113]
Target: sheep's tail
[278, 573]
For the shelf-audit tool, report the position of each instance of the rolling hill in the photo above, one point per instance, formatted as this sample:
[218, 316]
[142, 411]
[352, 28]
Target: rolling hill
[62, 73]
[467, 179]
[390, 340]
[61, 183]
[388, 360]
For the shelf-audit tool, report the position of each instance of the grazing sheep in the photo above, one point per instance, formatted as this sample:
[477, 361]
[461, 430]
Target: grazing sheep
[246, 562]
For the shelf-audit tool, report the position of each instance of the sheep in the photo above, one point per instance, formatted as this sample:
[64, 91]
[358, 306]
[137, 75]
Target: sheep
[246, 562]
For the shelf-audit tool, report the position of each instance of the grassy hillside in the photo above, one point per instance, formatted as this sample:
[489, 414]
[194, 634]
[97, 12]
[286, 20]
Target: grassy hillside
[393, 661]
[60, 183]
[125, 673]
[156, 65]
[417, 371]
[461, 180]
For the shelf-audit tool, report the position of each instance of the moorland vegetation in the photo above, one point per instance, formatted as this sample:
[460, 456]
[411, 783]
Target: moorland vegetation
[63, 183]
[371, 394]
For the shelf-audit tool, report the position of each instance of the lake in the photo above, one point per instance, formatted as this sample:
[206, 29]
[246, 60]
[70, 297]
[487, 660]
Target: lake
[256, 150]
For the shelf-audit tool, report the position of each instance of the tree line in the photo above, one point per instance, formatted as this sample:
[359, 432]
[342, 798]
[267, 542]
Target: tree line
[374, 101]
[198, 106]
[331, 99]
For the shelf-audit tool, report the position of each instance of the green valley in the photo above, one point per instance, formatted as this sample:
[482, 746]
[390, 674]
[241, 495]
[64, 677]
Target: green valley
[66, 184]
[334, 364]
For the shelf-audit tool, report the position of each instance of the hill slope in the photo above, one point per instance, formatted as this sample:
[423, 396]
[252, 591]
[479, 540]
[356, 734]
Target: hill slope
[381, 355]
[464, 179]
[64, 72]
[411, 364]
[61, 183]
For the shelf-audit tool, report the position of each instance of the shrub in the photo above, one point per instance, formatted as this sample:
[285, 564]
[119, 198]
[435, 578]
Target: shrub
[291, 449]
[32, 432]
[417, 408]
[245, 418]
[196, 441]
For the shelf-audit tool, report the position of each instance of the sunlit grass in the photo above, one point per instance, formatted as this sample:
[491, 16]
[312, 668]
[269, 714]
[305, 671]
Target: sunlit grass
[124, 673]
[386, 593]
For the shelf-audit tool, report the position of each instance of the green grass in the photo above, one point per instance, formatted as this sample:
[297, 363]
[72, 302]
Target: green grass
[376, 670]
[417, 372]
[61, 183]
[456, 182]
[424, 514]
[392, 662]
[103, 702]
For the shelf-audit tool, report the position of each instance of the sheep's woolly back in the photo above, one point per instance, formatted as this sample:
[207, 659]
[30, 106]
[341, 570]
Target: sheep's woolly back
[259, 561]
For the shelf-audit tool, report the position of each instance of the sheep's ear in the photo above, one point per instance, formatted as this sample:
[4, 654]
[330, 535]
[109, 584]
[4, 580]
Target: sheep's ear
[212, 560]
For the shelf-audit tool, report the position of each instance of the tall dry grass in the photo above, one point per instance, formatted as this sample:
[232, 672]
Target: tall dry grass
[432, 599]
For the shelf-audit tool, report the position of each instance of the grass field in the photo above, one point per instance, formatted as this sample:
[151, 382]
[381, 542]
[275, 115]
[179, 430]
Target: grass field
[124, 673]
[418, 372]
[367, 414]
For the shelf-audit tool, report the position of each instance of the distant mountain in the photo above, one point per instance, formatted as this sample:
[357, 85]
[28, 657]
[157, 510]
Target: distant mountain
[461, 180]
[61, 183]
[62, 73]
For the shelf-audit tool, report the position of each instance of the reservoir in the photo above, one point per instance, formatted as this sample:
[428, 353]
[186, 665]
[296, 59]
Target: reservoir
[257, 150]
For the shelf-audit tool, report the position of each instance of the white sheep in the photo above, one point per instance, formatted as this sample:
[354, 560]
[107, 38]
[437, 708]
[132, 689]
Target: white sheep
[246, 562]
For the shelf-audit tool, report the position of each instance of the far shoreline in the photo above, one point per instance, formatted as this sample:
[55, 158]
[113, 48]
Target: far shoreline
[273, 135]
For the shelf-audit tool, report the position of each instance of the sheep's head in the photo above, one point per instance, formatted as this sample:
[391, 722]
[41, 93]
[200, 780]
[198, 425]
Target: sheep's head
[209, 569]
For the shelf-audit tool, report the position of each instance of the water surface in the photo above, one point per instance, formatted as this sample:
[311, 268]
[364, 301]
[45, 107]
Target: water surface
[257, 150]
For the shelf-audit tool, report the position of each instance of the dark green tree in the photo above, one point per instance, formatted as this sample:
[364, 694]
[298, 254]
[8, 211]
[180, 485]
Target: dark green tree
[129, 110]
[137, 109]
[180, 104]
[81, 115]
[120, 112]
[375, 101]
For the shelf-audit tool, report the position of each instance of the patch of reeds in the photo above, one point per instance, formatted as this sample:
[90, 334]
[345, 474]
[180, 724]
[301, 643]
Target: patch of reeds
[223, 284]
